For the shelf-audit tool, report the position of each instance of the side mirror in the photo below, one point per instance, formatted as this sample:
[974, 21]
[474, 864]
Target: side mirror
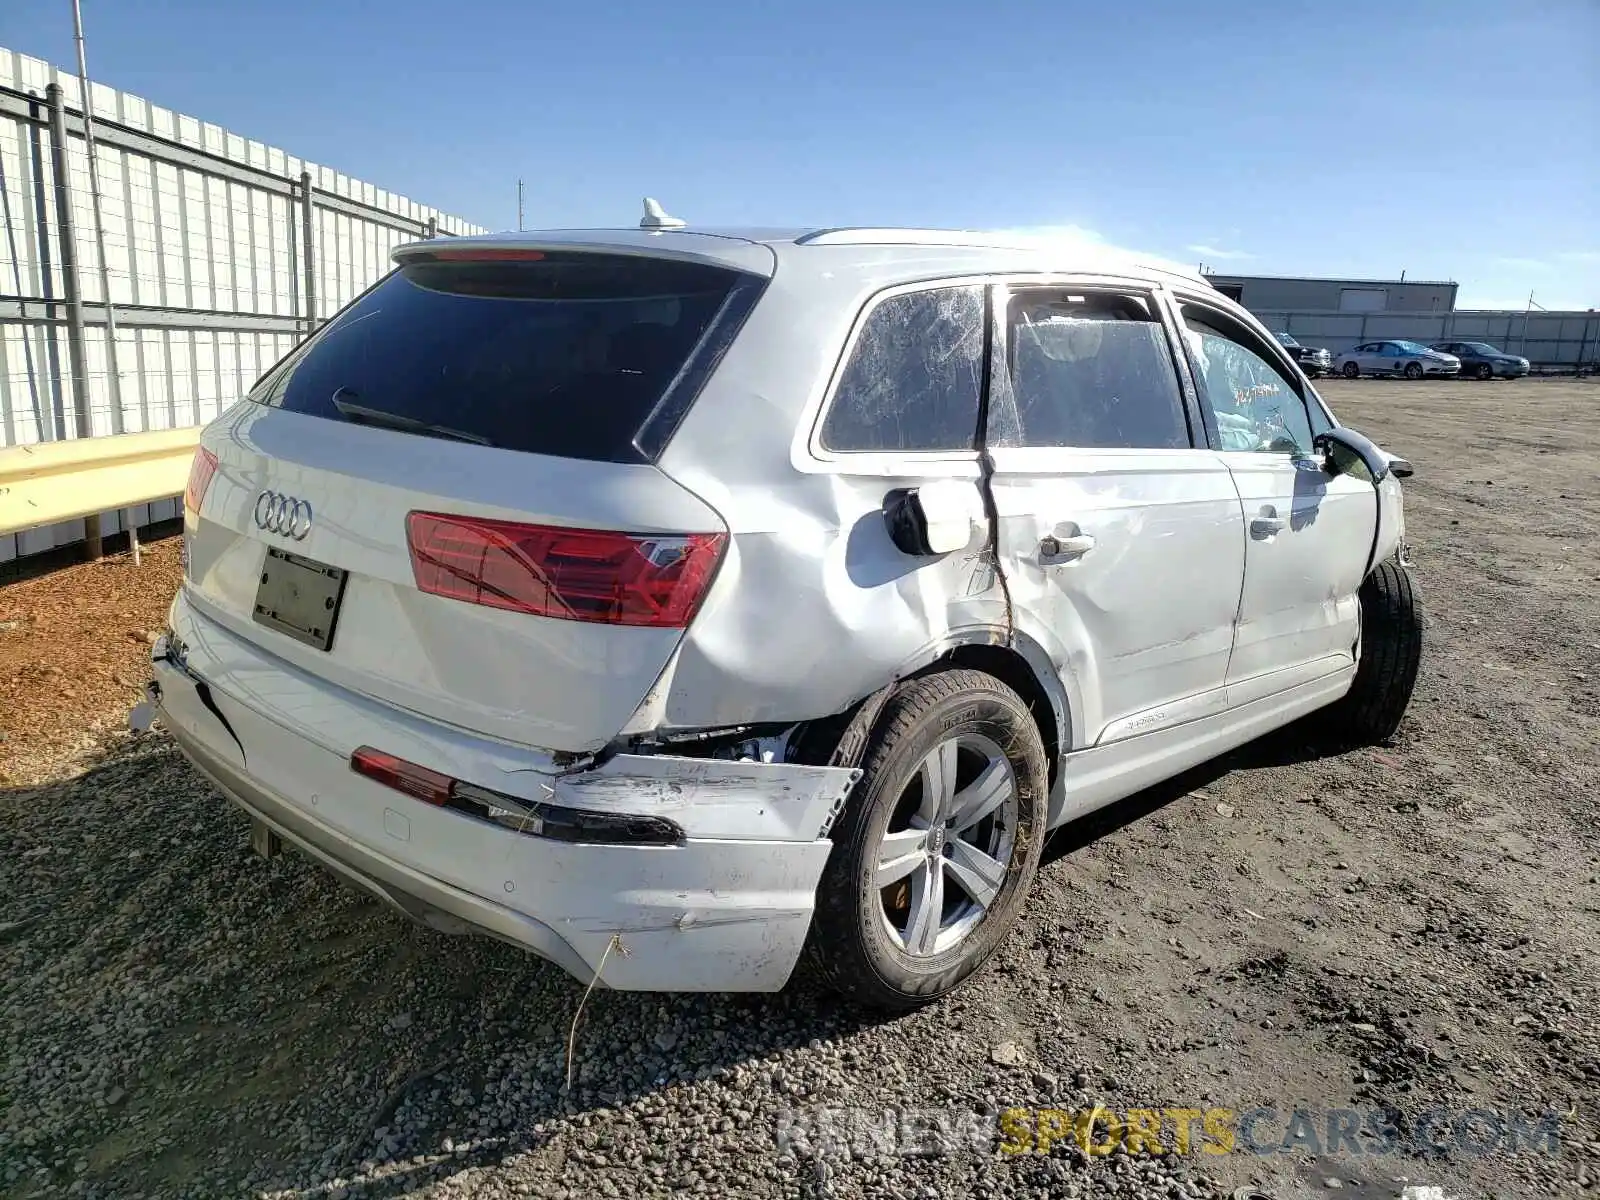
[1346, 444]
[936, 518]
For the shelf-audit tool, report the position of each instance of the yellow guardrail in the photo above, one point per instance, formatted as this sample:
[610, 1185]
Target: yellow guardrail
[57, 481]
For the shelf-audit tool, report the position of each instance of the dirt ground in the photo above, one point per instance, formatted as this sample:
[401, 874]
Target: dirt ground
[1410, 928]
[75, 652]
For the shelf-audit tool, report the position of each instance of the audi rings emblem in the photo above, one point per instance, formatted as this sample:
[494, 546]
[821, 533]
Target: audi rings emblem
[277, 513]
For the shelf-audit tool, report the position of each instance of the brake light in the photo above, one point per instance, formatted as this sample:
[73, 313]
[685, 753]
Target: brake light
[482, 255]
[201, 468]
[575, 574]
[428, 786]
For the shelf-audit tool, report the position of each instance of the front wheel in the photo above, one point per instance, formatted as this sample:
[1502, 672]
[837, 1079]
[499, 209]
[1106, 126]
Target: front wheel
[1485, 372]
[1413, 370]
[1351, 370]
[1391, 654]
[938, 845]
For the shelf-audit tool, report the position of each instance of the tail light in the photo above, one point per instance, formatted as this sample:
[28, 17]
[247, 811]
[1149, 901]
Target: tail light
[574, 574]
[201, 469]
[534, 818]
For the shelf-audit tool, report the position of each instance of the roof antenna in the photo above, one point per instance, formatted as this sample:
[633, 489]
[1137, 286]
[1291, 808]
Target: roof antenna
[656, 217]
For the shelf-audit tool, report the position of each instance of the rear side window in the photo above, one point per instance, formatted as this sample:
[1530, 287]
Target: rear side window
[1093, 370]
[913, 377]
[554, 353]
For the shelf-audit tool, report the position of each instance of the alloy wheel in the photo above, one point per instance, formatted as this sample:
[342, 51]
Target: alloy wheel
[943, 857]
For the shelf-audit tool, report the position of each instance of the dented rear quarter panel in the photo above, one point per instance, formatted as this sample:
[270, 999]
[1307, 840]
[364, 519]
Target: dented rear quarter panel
[814, 607]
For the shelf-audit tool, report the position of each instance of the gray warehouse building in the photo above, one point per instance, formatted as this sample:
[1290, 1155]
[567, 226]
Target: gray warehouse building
[1282, 293]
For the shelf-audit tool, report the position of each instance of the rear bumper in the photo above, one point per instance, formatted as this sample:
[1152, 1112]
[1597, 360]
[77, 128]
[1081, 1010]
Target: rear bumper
[726, 909]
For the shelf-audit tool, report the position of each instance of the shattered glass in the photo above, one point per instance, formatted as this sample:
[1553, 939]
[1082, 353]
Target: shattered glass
[914, 375]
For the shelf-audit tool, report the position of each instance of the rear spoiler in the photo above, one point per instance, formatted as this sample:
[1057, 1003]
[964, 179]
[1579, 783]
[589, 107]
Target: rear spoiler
[712, 250]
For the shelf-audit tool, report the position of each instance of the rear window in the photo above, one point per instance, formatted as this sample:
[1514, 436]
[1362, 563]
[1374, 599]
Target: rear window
[553, 353]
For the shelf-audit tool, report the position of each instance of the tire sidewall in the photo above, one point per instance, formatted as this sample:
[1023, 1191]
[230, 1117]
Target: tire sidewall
[888, 771]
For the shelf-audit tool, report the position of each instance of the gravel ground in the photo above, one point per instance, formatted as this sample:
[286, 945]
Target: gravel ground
[1411, 926]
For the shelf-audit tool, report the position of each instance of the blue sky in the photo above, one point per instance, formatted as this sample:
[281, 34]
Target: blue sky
[1449, 138]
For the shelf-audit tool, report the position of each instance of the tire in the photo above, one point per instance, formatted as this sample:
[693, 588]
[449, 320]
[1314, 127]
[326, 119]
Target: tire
[1413, 370]
[856, 944]
[1391, 652]
[1484, 372]
[1350, 370]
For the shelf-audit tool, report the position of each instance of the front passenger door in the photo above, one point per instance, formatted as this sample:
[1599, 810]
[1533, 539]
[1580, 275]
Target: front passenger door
[1308, 534]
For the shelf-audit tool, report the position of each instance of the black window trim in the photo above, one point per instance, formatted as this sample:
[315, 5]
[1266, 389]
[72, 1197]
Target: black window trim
[1286, 367]
[1153, 294]
[875, 461]
[656, 431]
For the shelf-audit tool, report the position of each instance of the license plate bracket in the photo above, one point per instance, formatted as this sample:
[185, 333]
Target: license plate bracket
[300, 597]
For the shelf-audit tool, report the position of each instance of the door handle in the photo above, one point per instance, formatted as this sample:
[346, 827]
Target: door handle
[1054, 550]
[1264, 527]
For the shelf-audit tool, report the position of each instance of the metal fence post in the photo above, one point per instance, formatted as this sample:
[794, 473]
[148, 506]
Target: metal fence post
[308, 248]
[69, 286]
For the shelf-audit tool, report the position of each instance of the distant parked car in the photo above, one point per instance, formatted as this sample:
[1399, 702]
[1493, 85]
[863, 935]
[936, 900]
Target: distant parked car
[1410, 359]
[1313, 360]
[1482, 361]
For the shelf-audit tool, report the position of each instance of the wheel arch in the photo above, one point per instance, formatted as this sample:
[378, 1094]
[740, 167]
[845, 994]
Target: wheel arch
[1017, 661]
[1047, 706]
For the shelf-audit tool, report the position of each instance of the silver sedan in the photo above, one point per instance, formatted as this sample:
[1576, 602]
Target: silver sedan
[1410, 359]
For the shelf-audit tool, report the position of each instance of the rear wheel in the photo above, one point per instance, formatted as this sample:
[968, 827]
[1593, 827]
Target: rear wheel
[1351, 370]
[934, 854]
[1485, 372]
[1413, 370]
[1391, 653]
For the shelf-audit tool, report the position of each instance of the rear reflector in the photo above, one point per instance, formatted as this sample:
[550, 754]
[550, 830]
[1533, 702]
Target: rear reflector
[201, 468]
[573, 574]
[512, 812]
[428, 786]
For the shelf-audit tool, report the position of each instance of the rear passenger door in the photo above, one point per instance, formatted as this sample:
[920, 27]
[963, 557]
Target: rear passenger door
[1309, 534]
[1120, 538]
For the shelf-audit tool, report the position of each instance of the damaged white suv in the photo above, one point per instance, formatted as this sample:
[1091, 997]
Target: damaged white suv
[672, 603]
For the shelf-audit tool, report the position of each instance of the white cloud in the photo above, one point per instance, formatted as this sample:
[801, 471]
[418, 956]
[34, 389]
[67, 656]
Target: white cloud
[1583, 256]
[1216, 252]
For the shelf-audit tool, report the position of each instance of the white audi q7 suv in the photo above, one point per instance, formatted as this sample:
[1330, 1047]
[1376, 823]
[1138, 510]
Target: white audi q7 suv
[677, 604]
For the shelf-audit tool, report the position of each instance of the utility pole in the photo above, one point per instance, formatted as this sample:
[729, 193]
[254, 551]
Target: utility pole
[100, 252]
[69, 285]
[519, 206]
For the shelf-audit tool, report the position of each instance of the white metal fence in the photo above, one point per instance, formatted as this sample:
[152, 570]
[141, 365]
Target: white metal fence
[220, 253]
